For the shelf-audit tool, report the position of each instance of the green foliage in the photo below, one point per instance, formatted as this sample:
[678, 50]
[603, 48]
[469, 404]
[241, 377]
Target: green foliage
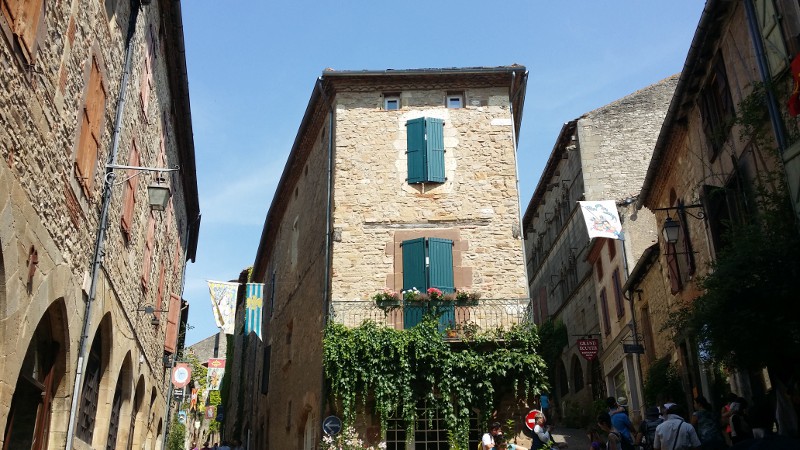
[663, 383]
[177, 436]
[401, 370]
[554, 338]
[757, 275]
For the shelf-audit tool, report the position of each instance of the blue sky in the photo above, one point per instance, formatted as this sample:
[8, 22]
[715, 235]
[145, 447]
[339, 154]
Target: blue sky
[252, 66]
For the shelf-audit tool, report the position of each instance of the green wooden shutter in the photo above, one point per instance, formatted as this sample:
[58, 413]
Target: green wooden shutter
[774, 45]
[440, 252]
[416, 152]
[414, 264]
[434, 134]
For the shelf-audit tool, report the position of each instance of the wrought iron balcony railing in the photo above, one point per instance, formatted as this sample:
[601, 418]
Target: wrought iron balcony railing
[484, 314]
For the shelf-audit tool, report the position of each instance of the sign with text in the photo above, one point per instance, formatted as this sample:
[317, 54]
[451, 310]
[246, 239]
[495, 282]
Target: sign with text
[588, 348]
[633, 348]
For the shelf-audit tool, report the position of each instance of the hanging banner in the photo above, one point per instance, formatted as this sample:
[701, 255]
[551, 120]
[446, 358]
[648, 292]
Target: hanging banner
[210, 412]
[181, 375]
[193, 403]
[223, 302]
[254, 305]
[216, 370]
[588, 348]
[182, 416]
[602, 219]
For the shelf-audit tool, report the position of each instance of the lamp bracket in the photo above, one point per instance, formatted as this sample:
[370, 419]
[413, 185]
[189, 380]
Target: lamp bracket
[700, 215]
[110, 176]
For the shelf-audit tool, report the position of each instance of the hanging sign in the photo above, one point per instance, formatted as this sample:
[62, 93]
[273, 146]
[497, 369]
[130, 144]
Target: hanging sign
[210, 412]
[588, 348]
[181, 374]
[216, 370]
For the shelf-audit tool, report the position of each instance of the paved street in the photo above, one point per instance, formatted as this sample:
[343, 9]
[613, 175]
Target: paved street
[575, 438]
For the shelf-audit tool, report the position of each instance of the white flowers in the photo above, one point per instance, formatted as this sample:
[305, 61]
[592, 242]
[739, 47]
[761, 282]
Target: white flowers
[348, 440]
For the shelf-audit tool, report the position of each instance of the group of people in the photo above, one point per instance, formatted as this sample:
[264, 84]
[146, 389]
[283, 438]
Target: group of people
[232, 445]
[541, 439]
[669, 429]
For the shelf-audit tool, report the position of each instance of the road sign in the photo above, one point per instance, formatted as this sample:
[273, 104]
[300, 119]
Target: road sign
[633, 348]
[332, 425]
[530, 419]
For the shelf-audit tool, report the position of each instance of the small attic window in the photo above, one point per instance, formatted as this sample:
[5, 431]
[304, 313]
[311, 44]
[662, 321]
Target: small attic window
[391, 102]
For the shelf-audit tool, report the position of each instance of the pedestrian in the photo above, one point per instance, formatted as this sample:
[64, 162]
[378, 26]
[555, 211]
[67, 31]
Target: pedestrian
[224, 446]
[614, 436]
[488, 440]
[542, 434]
[544, 402]
[706, 425]
[622, 423]
[237, 445]
[725, 413]
[740, 428]
[595, 443]
[675, 433]
[194, 446]
[647, 429]
[205, 446]
[502, 445]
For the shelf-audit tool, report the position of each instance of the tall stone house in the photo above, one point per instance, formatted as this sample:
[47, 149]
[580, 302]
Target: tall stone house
[602, 155]
[703, 168]
[397, 179]
[85, 328]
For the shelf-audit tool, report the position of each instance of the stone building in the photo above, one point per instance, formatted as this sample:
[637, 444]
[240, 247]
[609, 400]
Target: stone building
[91, 277]
[602, 155]
[704, 166]
[397, 179]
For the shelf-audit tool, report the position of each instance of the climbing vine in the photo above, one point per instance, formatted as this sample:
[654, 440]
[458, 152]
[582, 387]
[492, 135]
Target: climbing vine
[402, 369]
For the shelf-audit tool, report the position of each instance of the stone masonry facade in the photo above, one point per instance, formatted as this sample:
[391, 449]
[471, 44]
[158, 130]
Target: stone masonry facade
[49, 216]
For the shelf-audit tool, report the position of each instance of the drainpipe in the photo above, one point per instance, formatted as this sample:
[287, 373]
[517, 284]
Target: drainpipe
[99, 244]
[512, 96]
[328, 220]
[763, 69]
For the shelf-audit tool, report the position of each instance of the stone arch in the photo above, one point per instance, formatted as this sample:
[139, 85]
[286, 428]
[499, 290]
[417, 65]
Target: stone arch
[577, 374]
[159, 434]
[96, 381]
[137, 416]
[562, 381]
[40, 380]
[3, 293]
[120, 410]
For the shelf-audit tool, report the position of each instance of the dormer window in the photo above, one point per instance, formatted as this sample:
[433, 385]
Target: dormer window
[391, 102]
[455, 100]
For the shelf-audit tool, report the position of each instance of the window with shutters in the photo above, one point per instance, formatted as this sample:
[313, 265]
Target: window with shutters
[129, 201]
[427, 262]
[716, 106]
[425, 150]
[173, 319]
[769, 24]
[90, 392]
[146, 83]
[618, 299]
[604, 311]
[147, 258]
[24, 22]
[159, 294]
[91, 129]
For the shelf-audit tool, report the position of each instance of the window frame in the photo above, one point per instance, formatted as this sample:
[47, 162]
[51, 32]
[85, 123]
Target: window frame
[388, 99]
[24, 46]
[425, 150]
[92, 125]
[604, 311]
[454, 95]
[618, 297]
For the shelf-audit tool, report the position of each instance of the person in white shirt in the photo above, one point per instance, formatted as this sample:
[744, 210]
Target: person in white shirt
[675, 433]
[488, 438]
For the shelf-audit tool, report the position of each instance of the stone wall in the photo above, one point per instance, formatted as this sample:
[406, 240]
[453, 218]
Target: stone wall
[46, 212]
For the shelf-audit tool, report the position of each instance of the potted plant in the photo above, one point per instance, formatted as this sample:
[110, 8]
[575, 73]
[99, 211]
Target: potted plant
[387, 299]
[413, 295]
[467, 298]
[451, 331]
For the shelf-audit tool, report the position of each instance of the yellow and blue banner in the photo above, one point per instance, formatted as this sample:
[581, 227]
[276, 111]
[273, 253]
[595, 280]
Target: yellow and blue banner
[254, 303]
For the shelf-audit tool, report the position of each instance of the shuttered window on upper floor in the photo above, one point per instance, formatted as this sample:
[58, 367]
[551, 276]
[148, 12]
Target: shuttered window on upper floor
[769, 24]
[91, 128]
[425, 150]
[24, 19]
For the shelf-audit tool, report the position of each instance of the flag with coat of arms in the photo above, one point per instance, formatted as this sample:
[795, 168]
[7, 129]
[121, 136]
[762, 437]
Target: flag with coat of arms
[223, 302]
[254, 303]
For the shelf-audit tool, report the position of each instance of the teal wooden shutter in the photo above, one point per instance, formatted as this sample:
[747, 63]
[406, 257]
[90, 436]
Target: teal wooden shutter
[416, 150]
[434, 134]
[414, 264]
[440, 252]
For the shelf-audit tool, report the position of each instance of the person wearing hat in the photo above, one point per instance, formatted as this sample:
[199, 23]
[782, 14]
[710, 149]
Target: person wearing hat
[621, 422]
[675, 433]
[488, 440]
[647, 429]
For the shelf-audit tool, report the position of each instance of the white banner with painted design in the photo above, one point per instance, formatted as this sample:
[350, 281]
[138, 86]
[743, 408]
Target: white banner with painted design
[223, 302]
[602, 219]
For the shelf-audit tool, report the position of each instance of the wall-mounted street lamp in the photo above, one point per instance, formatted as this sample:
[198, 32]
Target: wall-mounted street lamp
[671, 230]
[158, 192]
